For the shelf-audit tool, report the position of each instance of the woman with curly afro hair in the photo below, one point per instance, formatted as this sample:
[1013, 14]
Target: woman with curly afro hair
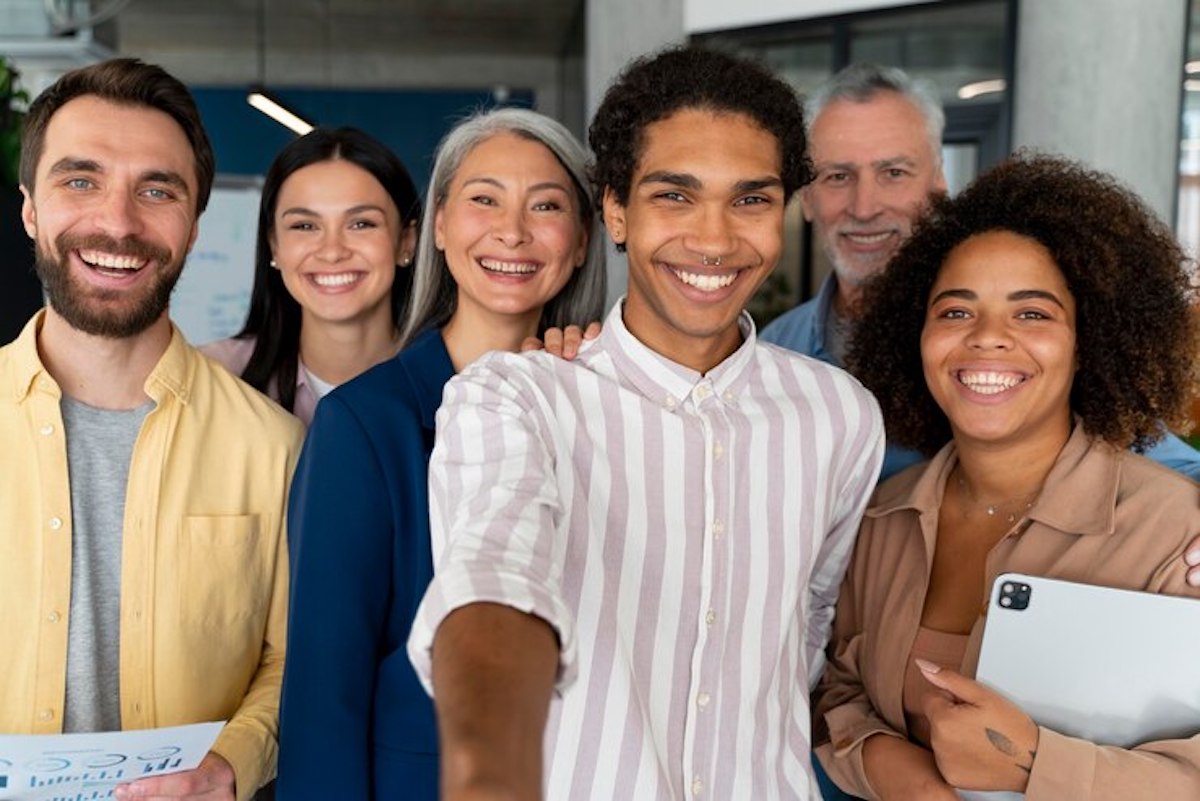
[1030, 332]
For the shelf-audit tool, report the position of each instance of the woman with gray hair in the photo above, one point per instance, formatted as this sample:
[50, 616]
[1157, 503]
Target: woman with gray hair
[509, 246]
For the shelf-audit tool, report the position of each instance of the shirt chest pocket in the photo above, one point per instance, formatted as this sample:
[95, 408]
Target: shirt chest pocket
[223, 572]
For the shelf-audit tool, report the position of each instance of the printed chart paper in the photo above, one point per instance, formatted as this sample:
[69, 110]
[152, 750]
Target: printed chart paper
[86, 767]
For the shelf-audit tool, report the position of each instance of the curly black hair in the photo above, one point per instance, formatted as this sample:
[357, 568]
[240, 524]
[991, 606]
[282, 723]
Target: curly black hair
[1137, 336]
[654, 87]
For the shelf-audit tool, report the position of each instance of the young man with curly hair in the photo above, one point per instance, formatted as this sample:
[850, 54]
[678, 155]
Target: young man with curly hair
[639, 549]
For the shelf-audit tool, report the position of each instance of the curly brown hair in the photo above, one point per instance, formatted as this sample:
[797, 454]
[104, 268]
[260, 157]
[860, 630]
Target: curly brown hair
[1137, 335]
[654, 87]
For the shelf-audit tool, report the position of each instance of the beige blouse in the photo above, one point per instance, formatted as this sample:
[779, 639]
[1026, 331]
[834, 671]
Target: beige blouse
[1105, 517]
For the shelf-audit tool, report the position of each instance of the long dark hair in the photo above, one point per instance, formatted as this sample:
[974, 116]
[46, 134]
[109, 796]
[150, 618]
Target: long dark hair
[274, 316]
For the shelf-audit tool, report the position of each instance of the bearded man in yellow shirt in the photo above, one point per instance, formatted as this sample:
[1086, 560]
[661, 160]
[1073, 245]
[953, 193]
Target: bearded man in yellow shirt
[143, 491]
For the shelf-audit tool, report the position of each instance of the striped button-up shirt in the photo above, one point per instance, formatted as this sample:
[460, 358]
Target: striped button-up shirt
[685, 536]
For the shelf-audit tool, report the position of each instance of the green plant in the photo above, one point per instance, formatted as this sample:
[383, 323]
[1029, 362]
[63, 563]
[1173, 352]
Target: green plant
[12, 104]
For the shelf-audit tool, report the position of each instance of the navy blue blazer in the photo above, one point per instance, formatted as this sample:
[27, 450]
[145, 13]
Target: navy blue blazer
[354, 721]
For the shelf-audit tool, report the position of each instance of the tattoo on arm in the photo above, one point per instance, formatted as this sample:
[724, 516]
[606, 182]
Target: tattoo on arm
[1006, 747]
[1001, 743]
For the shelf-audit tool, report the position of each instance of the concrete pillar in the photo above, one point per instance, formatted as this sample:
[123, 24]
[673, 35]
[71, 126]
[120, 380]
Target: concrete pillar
[617, 31]
[1100, 81]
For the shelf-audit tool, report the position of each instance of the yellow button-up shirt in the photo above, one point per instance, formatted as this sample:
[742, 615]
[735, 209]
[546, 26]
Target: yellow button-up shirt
[204, 555]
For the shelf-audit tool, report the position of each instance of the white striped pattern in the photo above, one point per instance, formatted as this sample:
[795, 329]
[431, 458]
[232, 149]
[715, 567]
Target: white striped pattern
[685, 535]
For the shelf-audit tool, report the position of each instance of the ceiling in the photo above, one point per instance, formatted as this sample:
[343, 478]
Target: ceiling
[477, 27]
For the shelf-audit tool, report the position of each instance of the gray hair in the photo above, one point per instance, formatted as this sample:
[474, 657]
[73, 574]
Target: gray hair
[434, 293]
[859, 83]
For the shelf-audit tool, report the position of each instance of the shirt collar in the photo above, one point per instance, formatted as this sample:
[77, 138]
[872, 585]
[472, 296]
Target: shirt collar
[174, 371]
[27, 367]
[428, 365]
[1086, 468]
[667, 382]
[172, 374]
[817, 322]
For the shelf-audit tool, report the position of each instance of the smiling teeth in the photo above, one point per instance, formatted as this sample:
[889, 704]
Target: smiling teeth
[334, 279]
[510, 267]
[111, 261]
[868, 239]
[704, 281]
[989, 383]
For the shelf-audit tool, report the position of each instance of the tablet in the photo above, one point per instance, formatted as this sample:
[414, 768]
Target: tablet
[1115, 667]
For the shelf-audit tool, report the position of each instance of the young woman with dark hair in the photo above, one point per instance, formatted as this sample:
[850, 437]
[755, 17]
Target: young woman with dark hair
[337, 231]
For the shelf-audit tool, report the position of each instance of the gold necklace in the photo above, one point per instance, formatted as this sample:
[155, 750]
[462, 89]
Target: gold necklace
[1007, 509]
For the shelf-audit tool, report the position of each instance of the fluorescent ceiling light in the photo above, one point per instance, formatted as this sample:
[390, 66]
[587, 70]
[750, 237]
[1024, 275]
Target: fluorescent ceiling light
[1192, 85]
[1191, 67]
[970, 90]
[262, 100]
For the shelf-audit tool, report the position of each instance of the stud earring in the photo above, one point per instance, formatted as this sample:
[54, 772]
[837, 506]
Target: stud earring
[273, 264]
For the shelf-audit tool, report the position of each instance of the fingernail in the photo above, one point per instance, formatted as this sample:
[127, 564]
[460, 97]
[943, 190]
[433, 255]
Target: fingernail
[927, 667]
[1194, 578]
[1192, 557]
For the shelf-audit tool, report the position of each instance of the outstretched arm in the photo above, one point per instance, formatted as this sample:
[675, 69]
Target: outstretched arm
[493, 673]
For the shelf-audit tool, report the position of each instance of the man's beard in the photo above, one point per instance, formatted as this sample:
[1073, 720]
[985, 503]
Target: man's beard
[107, 312]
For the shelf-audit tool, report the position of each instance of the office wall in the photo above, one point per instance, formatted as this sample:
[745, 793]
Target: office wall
[715, 15]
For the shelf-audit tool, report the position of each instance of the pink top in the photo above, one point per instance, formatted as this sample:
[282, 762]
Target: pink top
[234, 354]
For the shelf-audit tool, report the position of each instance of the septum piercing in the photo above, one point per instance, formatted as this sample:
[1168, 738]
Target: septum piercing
[713, 263]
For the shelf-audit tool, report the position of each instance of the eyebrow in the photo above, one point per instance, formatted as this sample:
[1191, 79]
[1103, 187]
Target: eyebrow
[66, 165]
[483, 179]
[1019, 295]
[69, 165]
[301, 210]
[168, 177]
[879, 164]
[689, 181]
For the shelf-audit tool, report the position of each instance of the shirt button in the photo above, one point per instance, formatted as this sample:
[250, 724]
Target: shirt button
[46, 430]
[702, 700]
[710, 617]
[703, 391]
[46, 714]
[54, 617]
[56, 523]
[669, 402]
[718, 528]
[718, 451]
[728, 397]
[697, 786]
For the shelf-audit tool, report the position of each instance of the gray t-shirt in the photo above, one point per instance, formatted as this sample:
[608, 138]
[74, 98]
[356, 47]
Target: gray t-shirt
[99, 449]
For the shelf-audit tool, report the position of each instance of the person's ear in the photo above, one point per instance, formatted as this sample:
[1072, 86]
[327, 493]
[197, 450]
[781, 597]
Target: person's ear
[28, 213]
[439, 229]
[407, 247]
[806, 202]
[614, 217]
